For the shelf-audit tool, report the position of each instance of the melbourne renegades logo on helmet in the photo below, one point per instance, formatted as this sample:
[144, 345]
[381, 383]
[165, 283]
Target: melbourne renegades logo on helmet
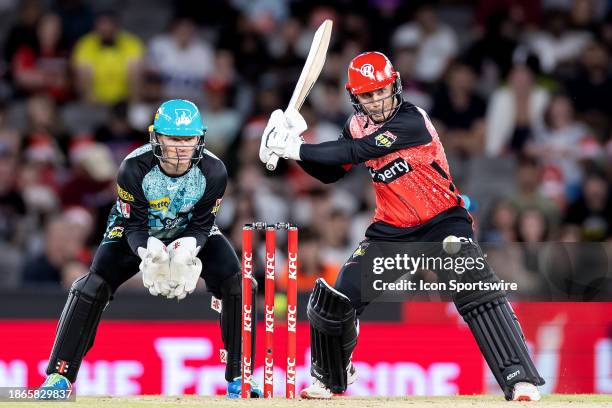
[367, 70]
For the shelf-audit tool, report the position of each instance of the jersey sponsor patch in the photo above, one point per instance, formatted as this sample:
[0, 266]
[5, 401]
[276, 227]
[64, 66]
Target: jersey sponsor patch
[391, 171]
[124, 209]
[217, 206]
[124, 195]
[160, 204]
[361, 250]
[115, 232]
[385, 139]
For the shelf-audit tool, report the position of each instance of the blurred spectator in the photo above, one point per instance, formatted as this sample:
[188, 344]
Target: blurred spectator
[491, 53]
[311, 266]
[119, 134]
[285, 49]
[319, 130]
[605, 31]
[563, 142]
[404, 60]
[459, 112]
[107, 62]
[43, 123]
[332, 105]
[263, 10]
[591, 214]
[44, 67]
[63, 247]
[77, 19]
[521, 262]
[12, 211]
[436, 42]
[182, 60]
[91, 184]
[557, 44]
[335, 236]
[591, 86]
[249, 49]
[515, 110]
[583, 14]
[499, 225]
[532, 226]
[527, 190]
[12, 206]
[223, 122]
[23, 33]
[140, 112]
[532, 230]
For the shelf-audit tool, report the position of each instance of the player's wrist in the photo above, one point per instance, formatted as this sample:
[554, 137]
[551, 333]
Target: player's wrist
[293, 149]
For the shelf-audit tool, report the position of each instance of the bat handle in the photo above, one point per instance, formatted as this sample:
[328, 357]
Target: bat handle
[271, 164]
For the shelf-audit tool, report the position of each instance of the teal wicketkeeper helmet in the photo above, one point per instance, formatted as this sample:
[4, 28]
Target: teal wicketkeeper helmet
[176, 118]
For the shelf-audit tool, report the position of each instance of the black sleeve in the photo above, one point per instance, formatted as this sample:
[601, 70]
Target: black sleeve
[205, 210]
[326, 173]
[406, 129]
[129, 190]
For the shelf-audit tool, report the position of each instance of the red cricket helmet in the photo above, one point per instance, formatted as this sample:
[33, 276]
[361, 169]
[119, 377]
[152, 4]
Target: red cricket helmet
[370, 71]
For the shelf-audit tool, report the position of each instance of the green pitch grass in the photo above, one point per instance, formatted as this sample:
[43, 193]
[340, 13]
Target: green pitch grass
[550, 401]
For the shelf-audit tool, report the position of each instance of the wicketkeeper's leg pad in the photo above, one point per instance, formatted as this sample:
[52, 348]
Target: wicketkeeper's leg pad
[333, 335]
[495, 327]
[78, 323]
[231, 323]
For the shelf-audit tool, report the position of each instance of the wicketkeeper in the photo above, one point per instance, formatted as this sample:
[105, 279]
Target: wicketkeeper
[169, 192]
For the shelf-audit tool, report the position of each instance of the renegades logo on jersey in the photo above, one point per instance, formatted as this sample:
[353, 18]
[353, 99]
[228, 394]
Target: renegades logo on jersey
[391, 171]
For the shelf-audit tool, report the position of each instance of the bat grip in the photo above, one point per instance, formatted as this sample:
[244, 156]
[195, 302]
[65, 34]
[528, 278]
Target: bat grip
[272, 162]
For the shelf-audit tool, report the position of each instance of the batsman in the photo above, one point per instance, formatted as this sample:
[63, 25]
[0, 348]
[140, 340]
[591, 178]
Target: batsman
[163, 224]
[416, 201]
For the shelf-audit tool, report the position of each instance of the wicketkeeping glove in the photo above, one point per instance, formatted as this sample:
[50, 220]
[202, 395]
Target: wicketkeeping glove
[185, 267]
[155, 267]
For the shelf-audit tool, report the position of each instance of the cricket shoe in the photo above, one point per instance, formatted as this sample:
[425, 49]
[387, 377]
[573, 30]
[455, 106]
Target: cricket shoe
[234, 388]
[55, 381]
[318, 390]
[524, 391]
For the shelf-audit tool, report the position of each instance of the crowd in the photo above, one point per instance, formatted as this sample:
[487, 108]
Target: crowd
[517, 90]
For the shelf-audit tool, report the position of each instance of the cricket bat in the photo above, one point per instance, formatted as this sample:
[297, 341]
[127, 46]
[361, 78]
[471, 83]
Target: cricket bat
[310, 73]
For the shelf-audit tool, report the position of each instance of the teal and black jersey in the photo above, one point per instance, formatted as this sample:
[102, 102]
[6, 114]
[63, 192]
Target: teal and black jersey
[153, 203]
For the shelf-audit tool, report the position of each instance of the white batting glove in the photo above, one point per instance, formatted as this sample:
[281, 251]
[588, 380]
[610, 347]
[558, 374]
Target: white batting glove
[185, 267]
[282, 135]
[155, 267]
[275, 124]
[295, 121]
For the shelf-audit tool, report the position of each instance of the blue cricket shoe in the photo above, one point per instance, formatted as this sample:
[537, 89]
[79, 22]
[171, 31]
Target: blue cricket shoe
[55, 381]
[234, 388]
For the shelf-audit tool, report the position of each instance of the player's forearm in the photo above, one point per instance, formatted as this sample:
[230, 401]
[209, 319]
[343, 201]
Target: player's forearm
[325, 173]
[340, 152]
[200, 234]
[136, 239]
